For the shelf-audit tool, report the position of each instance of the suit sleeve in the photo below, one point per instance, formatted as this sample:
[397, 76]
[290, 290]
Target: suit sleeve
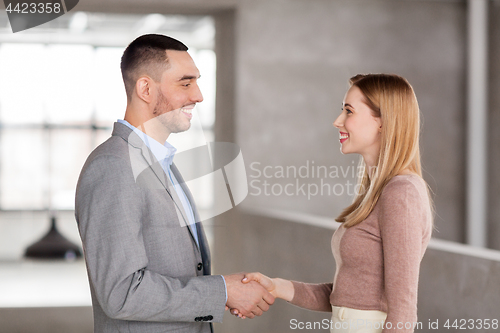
[403, 222]
[108, 211]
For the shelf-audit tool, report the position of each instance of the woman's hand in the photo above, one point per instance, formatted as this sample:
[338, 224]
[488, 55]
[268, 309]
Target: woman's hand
[279, 288]
[265, 281]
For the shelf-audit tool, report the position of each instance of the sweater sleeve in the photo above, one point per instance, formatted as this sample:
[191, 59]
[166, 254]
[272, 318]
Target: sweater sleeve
[311, 296]
[403, 219]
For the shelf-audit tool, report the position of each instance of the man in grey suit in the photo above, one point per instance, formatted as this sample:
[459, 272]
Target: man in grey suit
[146, 252]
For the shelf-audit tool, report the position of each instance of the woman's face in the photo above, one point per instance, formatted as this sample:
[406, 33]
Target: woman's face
[359, 129]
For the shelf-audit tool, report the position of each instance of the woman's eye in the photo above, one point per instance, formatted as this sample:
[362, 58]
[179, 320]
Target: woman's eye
[348, 111]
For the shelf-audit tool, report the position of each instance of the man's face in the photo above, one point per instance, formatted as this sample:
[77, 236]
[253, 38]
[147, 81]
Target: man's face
[177, 93]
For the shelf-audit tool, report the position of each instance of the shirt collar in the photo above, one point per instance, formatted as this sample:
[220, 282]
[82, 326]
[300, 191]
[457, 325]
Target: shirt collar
[161, 151]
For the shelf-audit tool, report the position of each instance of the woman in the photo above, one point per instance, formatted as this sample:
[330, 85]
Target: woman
[385, 231]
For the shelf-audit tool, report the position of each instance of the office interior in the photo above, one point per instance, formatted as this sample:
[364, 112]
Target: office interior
[274, 74]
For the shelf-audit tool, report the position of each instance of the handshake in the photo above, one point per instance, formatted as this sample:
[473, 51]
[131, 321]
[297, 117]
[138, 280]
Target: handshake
[251, 294]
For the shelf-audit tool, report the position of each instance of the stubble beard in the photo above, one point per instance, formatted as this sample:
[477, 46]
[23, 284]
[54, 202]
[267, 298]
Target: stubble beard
[170, 119]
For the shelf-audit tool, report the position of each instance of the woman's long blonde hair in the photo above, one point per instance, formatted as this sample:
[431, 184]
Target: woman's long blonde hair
[391, 98]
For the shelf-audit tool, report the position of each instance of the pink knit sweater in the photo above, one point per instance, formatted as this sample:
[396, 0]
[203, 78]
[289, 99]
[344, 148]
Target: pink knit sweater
[378, 260]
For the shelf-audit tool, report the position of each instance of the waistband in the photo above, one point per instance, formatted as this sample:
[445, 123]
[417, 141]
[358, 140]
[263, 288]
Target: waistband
[342, 313]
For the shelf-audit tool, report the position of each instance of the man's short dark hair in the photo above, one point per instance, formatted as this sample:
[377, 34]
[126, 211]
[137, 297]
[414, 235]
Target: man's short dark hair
[146, 56]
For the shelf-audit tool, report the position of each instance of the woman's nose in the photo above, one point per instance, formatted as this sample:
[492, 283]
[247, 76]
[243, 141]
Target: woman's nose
[339, 122]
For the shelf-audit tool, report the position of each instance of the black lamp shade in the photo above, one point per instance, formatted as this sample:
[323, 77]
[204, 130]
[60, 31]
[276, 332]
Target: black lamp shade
[53, 246]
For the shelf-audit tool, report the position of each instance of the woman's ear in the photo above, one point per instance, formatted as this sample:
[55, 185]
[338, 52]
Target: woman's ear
[379, 123]
[144, 89]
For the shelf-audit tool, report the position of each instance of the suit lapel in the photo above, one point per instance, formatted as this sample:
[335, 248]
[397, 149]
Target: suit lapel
[202, 239]
[178, 203]
[186, 190]
[135, 141]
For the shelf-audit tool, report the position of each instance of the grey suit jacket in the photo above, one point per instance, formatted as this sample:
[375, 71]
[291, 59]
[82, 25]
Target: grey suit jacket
[145, 269]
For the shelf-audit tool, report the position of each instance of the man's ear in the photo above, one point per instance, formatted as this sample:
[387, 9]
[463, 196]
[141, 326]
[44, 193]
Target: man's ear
[144, 89]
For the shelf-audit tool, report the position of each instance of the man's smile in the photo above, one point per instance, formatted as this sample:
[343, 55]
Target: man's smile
[188, 111]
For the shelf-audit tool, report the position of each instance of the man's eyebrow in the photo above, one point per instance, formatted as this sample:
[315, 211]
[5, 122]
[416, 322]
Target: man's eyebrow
[189, 77]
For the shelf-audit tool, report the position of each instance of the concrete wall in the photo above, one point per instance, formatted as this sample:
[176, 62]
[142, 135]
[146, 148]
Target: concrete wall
[293, 62]
[459, 282]
[456, 281]
[494, 125]
[46, 320]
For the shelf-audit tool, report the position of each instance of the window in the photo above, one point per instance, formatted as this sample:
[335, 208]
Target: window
[61, 90]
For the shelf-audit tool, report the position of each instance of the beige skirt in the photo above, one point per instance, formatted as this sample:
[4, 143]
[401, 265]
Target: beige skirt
[347, 320]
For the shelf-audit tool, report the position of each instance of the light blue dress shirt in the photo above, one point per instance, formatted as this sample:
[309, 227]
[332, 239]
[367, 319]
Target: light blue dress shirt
[165, 155]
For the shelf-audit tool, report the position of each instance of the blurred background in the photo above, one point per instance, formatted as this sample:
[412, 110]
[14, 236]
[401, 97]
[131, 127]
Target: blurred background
[274, 74]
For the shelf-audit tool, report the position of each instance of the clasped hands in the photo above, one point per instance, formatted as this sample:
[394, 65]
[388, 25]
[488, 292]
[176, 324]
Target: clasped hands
[251, 294]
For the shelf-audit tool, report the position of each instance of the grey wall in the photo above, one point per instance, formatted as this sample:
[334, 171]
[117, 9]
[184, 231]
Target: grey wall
[46, 320]
[456, 281]
[459, 282]
[293, 62]
[494, 125]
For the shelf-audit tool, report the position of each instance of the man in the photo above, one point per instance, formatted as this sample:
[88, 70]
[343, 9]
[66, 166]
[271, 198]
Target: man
[146, 253]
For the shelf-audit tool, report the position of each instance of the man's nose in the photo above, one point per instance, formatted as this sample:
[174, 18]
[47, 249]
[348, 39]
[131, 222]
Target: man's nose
[196, 95]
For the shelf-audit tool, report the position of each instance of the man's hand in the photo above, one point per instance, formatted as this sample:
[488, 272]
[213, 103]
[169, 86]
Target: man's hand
[250, 299]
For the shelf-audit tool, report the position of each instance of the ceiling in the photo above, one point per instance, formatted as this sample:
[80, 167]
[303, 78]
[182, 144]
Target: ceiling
[105, 29]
